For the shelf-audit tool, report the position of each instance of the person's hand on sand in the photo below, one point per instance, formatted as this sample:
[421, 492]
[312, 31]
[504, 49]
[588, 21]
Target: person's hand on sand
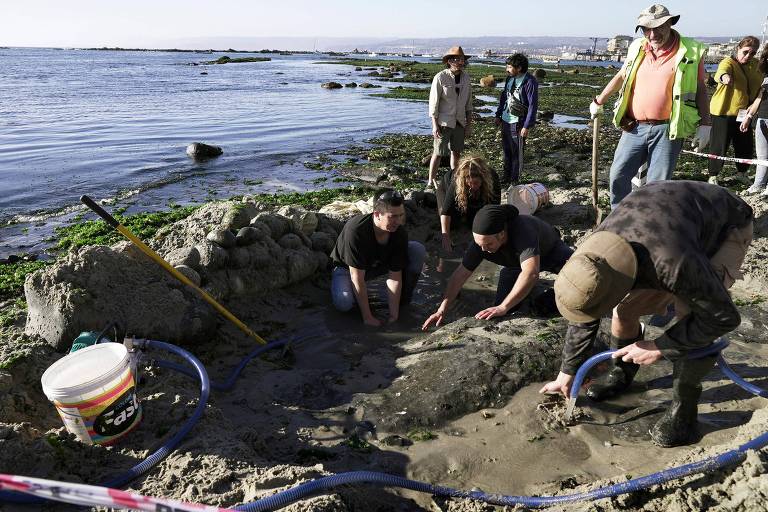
[641, 352]
[372, 321]
[491, 312]
[436, 318]
[560, 385]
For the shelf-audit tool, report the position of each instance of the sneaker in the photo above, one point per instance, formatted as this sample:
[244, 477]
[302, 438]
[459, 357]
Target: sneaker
[713, 180]
[754, 189]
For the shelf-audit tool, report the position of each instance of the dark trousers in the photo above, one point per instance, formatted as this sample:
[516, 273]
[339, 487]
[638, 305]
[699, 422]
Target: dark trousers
[512, 144]
[551, 262]
[725, 130]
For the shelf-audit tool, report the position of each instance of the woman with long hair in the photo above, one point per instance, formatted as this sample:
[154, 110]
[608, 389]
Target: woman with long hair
[738, 84]
[472, 186]
[757, 117]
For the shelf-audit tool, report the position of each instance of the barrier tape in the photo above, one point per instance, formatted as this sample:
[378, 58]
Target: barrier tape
[92, 495]
[747, 161]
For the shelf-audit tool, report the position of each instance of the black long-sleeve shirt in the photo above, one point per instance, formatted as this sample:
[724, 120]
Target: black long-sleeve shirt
[674, 227]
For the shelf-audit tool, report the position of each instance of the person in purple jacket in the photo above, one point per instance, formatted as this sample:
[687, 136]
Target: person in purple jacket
[516, 114]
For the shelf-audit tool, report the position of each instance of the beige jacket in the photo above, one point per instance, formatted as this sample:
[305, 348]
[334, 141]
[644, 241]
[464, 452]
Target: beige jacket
[444, 104]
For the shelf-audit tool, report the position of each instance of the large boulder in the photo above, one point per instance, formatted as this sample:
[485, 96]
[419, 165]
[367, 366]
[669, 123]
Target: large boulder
[303, 220]
[97, 285]
[344, 210]
[200, 151]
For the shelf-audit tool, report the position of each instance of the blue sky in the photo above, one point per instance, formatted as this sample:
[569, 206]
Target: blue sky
[153, 23]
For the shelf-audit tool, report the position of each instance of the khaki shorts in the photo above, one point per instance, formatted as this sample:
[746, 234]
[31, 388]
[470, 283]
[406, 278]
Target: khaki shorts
[452, 139]
[727, 265]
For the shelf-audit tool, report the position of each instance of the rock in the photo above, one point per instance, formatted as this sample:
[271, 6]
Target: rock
[239, 257]
[571, 71]
[96, 285]
[189, 273]
[547, 115]
[187, 256]
[554, 177]
[291, 241]
[304, 221]
[278, 225]
[329, 225]
[467, 366]
[444, 161]
[190, 231]
[331, 85]
[249, 235]
[259, 254]
[322, 242]
[200, 151]
[539, 74]
[395, 440]
[350, 84]
[222, 237]
[358, 68]
[344, 210]
[300, 264]
[368, 85]
[430, 200]
[415, 195]
[373, 73]
[212, 256]
[265, 230]
[488, 81]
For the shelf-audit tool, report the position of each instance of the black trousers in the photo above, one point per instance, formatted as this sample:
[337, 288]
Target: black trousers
[725, 130]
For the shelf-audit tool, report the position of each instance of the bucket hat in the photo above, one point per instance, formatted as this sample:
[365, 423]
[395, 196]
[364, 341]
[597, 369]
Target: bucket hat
[655, 16]
[455, 51]
[595, 279]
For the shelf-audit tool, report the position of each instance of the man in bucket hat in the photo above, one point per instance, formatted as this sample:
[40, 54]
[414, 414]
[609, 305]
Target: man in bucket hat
[450, 109]
[662, 100]
[670, 241]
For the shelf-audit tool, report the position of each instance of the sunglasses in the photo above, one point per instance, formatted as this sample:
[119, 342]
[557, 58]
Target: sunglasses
[455, 59]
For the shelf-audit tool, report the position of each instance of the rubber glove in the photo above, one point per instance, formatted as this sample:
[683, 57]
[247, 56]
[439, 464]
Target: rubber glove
[701, 139]
[595, 109]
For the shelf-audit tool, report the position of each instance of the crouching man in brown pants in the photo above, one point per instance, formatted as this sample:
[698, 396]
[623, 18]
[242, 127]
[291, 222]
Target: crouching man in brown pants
[680, 242]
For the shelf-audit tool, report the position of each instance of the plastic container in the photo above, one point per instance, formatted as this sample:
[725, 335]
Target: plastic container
[528, 198]
[95, 393]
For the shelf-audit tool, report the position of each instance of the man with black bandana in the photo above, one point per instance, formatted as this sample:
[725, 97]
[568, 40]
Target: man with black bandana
[670, 241]
[522, 244]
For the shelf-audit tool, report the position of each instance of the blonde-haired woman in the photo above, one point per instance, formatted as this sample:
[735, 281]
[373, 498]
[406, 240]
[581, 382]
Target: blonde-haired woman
[472, 186]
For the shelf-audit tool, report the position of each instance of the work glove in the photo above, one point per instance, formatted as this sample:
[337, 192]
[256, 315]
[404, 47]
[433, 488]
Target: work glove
[595, 109]
[701, 139]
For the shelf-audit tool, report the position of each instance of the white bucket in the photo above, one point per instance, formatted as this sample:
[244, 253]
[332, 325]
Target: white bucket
[95, 393]
[528, 198]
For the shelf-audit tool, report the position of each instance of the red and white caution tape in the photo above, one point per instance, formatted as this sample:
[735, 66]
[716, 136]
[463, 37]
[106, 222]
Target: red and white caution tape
[748, 161]
[91, 495]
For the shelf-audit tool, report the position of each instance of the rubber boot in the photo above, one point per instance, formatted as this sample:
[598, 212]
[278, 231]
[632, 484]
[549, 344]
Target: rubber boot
[677, 426]
[620, 375]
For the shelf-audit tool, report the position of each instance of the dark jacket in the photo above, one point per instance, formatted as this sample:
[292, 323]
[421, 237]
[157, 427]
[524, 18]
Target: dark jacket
[674, 227]
[529, 97]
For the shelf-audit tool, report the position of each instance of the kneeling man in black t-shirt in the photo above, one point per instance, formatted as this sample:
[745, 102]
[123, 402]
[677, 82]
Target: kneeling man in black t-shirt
[372, 245]
[521, 244]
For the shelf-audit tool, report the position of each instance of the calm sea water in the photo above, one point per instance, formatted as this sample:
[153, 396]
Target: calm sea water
[116, 124]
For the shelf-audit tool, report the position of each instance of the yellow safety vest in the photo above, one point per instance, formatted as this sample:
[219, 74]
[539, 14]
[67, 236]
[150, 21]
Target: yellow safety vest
[685, 115]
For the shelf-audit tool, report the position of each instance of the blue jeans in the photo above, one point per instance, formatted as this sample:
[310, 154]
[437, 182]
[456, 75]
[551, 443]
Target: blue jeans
[513, 151]
[343, 293]
[645, 142]
[551, 262]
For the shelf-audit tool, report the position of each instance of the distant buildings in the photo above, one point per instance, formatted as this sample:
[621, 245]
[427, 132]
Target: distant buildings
[719, 51]
[619, 44]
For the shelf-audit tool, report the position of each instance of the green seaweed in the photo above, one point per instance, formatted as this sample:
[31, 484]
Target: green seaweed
[12, 277]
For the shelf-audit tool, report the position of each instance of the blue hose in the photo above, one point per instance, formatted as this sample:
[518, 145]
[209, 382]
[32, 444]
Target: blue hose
[321, 485]
[729, 458]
